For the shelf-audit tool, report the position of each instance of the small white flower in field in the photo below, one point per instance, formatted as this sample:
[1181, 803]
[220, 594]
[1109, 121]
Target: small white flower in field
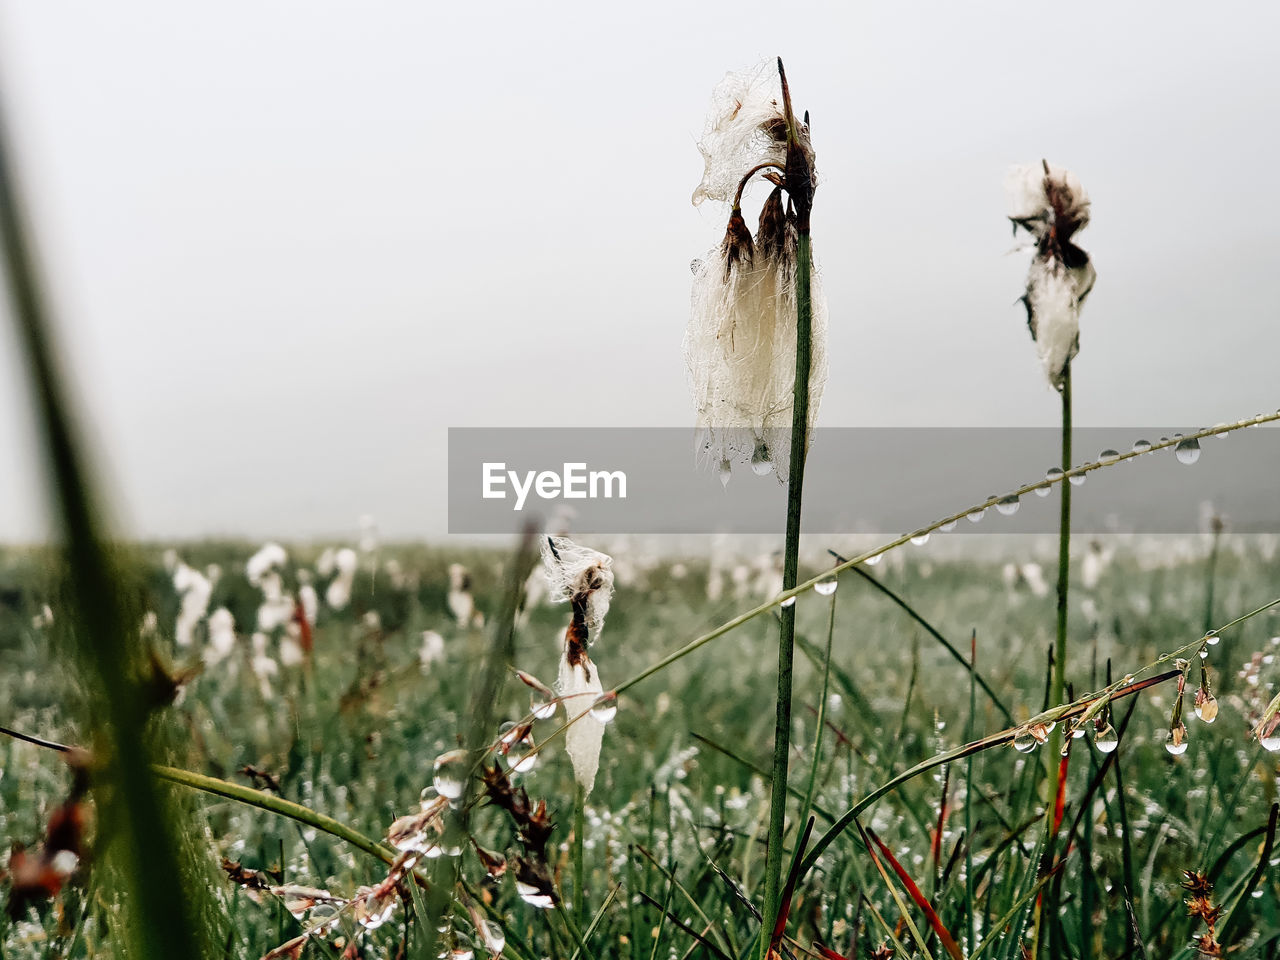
[309, 599]
[740, 345]
[195, 590]
[338, 593]
[583, 577]
[461, 603]
[270, 556]
[264, 667]
[326, 562]
[1051, 206]
[432, 649]
[222, 637]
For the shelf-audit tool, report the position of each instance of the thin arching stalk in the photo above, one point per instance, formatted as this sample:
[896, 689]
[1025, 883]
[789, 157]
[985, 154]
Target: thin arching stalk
[790, 576]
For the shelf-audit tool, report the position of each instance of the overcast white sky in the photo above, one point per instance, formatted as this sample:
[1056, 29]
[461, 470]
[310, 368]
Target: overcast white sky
[293, 243]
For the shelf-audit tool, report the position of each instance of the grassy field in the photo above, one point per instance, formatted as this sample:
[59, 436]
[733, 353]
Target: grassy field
[671, 840]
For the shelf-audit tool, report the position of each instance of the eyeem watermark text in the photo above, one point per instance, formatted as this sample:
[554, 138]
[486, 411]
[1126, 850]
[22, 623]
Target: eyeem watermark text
[573, 482]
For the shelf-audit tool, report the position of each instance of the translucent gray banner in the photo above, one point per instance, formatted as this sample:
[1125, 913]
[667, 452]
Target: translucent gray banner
[858, 480]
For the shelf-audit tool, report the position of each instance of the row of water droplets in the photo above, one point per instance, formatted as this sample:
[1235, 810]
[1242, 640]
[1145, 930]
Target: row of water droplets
[1186, 450]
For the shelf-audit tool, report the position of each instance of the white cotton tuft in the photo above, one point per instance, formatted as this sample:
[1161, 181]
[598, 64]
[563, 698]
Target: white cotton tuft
[195, 590]
[338, 593]
[268, 557]
[1051, 205]
[574, 570]
[740, 348]
[579, 686]
[1053, 314]
[745, 127]
[1037, 197]
[222, 637]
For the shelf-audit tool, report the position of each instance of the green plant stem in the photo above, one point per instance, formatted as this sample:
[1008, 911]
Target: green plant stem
[1084, 708]
[277, 805]
[579, 868]
[790, 576]
[133, 813]
[1058, 686]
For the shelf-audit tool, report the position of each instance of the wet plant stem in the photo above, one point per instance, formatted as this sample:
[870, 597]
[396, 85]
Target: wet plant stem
[579, 871]
[790, 576]
[1058, 687]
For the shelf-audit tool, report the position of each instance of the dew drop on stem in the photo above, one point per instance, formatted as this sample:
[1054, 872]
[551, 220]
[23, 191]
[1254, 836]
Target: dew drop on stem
[1008, 506]
[450, 774]
[1142, 446]
[827, 587]
[1187, 451]
[761, 464]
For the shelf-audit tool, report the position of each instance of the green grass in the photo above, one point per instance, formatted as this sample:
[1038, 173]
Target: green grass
[675, 821]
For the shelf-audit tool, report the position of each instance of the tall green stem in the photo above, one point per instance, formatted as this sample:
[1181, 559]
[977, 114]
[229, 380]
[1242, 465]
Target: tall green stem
[790, 576]
[136, 830]
[1058, 686]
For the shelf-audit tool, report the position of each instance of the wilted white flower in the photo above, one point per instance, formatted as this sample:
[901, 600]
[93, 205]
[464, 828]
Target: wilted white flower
[584, 577]
[740, 345]
[1051, 205]
[746, 126]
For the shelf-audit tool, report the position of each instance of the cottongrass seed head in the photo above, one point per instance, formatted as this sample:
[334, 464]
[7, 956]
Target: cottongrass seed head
[584, 578]
[740, 345]
[1050, 206]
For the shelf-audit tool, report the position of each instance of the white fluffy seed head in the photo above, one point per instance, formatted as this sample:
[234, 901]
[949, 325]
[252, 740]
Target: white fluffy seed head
[740, 348]
[579, 686]
[1052, 206]
[741, 131]
[572, 570]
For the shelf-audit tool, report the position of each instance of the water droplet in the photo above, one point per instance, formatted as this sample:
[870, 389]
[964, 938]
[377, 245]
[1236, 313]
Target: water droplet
[606, 707]
[1108, 454]
[1271, 743]
[921, 538]
[726, 473]
[1053, 473]
[1024, 742]
[1142, 446]
[523, 764]
[451, 773]
[1187, 451]
[1077, 479]
[1207, 708]
[542, 710]
[872, 561]
[789, 602]
[1077, 731]
[761, 464]
[948, 526]
[1259, 418]
[427, 795]
[1177, 749]
[1221, 427]
[1008, 506]
[1106, 739]
[1212, 638]
[827, 587]
[976, 515]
